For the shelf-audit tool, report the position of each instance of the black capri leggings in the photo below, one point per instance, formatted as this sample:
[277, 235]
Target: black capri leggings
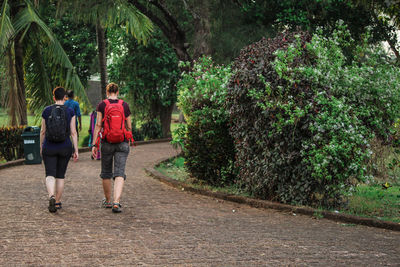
[56, 161]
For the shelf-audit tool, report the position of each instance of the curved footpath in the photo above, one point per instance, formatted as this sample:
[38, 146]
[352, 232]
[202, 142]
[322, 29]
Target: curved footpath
[164, 226]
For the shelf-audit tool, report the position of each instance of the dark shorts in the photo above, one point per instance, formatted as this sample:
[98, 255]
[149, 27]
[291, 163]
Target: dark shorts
[56, 161]
[113, 154]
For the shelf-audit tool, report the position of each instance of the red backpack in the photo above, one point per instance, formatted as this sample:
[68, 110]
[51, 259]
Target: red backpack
[114, 130]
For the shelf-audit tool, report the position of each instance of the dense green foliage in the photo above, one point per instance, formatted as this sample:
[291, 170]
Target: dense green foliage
[303, 115]
[313, 14]
[77, 39]
[232, 28]
[33, 59]
[208, 147]
[148, 74]
[151, 129]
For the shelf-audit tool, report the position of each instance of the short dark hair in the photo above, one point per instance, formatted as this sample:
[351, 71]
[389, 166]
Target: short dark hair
[112, 88]
[70, 94]
[59, 93]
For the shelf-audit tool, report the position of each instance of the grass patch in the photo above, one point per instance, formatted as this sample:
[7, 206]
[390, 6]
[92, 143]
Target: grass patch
[367, 201]
[4, 121]
[175, 169]
[375, 202]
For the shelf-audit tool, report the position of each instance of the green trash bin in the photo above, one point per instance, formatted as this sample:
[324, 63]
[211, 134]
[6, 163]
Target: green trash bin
[31, 138]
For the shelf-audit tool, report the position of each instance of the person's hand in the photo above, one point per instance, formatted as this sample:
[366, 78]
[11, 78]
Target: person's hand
[76, 156]
[94, 152]
[80, 127]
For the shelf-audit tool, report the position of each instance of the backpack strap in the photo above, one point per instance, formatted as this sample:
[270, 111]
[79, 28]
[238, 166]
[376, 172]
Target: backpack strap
[98, 140]
[121, 102]
[107, 102]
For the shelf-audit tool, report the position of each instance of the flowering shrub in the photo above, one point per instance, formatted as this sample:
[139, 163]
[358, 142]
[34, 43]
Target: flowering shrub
[11, 143]
[208, 147]
[302, 115]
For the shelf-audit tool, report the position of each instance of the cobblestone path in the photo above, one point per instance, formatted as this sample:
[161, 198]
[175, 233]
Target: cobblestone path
[162, 226]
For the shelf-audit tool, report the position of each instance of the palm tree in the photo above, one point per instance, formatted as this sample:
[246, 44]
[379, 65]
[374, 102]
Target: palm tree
[107, 14]
[33, 59]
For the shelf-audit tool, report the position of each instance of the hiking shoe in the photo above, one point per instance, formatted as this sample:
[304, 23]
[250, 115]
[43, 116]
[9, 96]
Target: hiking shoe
[106, 204]
[52, 204]
[58, 205]
[116, 208]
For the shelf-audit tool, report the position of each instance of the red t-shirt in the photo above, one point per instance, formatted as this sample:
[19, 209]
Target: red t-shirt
[102, 106]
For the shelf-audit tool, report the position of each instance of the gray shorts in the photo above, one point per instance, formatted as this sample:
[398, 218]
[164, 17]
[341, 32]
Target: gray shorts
[117, 153]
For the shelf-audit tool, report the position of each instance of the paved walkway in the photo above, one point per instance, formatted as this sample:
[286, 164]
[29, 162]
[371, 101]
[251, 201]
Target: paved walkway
[161, 226]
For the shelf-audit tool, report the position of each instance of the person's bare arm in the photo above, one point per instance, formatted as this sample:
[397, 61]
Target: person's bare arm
[128, 123]
[80, 123]
[97, 129]
[74, 136]
[42, 134]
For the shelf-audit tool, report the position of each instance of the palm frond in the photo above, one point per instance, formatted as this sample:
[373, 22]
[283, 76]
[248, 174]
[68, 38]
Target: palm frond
[6, 28]
[111, 14]
[37, 80]
[135, 22]
[53, 50]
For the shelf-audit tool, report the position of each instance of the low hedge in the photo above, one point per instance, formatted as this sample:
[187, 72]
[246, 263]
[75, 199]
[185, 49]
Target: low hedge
[303, 114]
[11, 143]
[208, 147]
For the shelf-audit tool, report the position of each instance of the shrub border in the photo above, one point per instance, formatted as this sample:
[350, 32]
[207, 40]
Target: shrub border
[19, 162]
[264, 204]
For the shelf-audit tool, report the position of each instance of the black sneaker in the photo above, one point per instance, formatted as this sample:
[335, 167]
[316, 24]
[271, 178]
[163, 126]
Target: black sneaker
[52, 204]
[116, 208]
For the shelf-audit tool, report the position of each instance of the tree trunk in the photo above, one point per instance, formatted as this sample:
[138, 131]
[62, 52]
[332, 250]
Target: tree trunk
[16, 64]
[154, 109]
[12, 100]
[393, 47]
[20, 84]
[168, 25]
[101, 44]
[165, 119]
[202, 28]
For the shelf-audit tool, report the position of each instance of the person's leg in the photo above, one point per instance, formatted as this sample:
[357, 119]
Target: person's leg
[50, 164]
[106, 174]
[120, 158]
[59, 189]
[118, 186]
[51, 186]
[63, 158]
[107, 188]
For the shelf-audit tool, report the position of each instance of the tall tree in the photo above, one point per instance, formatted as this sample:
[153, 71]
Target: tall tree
[102, 53]
[107, 14]
[78, 39]
[160, 15]
[148, 74]
[201, 14]
[33, 59]
[312, 14]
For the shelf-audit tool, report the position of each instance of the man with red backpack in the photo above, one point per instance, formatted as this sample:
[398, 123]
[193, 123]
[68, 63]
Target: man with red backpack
[114, 131]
